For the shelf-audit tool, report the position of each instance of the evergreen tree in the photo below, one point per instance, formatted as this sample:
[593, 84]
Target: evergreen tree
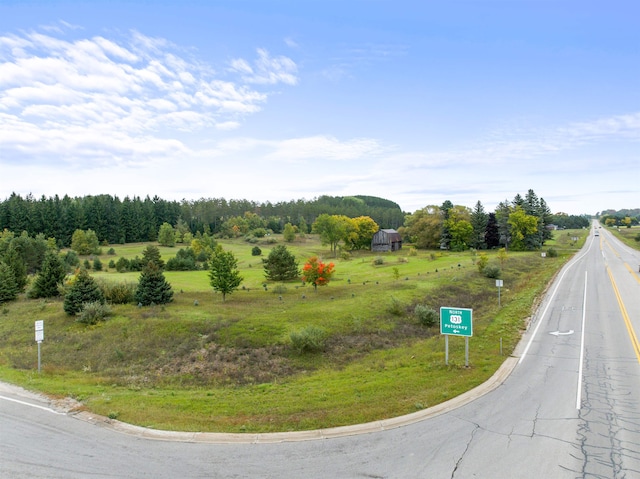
[492, 236]
[224, 275]
[280, 265]
[8, 286]
[16, 263]
[50, 276]
[153, 287]
[445, 234]
[84, 290]
[479, 222]
[152, 254]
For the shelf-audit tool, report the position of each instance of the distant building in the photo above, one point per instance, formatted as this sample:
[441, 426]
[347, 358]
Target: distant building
[386, 240]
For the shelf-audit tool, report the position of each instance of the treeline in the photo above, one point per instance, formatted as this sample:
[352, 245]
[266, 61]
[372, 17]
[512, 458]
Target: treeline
[132, 220]
[625, 217]
[524, 223]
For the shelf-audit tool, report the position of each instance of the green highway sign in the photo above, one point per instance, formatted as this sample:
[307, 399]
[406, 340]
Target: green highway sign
[456, 321]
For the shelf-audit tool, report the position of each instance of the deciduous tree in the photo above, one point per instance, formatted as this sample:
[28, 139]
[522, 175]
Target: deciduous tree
[224, 275]
[332, 229]
[166, 235]
[317, 273]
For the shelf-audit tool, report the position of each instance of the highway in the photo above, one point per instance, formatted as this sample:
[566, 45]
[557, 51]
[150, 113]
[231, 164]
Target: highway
[570, 408]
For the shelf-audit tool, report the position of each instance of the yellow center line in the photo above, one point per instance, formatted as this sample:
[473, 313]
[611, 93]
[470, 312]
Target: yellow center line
[625, 316]
[633, 273]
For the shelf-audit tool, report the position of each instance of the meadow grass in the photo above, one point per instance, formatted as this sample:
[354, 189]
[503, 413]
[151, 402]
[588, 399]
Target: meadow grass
[201, 364]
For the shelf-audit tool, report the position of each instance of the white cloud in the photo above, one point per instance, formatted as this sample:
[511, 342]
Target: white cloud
[267, 69]
[77, 100]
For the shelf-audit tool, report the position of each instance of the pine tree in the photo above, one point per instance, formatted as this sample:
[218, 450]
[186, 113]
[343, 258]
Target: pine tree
[152, 254]
[50, 276]
[16, 263]
[280, 265]
[8, 286]
[84, 290]
[479, 221]
[153, 288]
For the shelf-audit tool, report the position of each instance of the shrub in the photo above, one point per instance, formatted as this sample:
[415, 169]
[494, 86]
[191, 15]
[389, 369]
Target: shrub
[426, 316]
[256, 251]
[413, 251]
[491, 272]
[122, 265]
[279, 289]
[184, 260]
[552, 253]
[93, 312]
[118, 293]
[308, 340]
[378, 260]
[395, 307]
[112, 264]
[111, 251]
[97, 264]
[259, 232]
[482, 262]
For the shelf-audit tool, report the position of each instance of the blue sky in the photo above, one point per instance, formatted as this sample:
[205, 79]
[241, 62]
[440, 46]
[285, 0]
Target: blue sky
[416, 102]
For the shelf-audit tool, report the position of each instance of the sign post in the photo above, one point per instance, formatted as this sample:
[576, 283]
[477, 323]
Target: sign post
[456, 322]
[39, 339]
[499, 284]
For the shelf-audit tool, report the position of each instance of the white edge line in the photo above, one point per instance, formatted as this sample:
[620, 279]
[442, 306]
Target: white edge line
[24, 403]
[535, 331]
[584, 316]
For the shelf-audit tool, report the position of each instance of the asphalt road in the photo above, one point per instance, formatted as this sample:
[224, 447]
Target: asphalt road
[570, 408]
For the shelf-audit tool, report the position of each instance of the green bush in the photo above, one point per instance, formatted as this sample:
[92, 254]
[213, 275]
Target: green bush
[308, 340]
[93, 312]
[552, 253]
[118, 293]
[426, 316]
[122, 265]
[482, 262]
[491, 272]
[378, 260]
[97, 264]
[256, 251]
[279, 289]
[395, 307]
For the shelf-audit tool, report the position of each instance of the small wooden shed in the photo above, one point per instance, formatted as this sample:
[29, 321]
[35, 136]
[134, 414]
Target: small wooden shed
[386, 240]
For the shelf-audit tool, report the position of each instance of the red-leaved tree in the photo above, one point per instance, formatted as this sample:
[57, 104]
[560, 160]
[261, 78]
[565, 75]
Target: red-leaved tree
[316, 272]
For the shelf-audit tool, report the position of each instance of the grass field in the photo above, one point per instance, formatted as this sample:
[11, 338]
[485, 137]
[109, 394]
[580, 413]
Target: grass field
[201, 364]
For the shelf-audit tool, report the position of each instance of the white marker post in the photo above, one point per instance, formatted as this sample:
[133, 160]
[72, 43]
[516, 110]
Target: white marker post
[39, 339]
[499, 285]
